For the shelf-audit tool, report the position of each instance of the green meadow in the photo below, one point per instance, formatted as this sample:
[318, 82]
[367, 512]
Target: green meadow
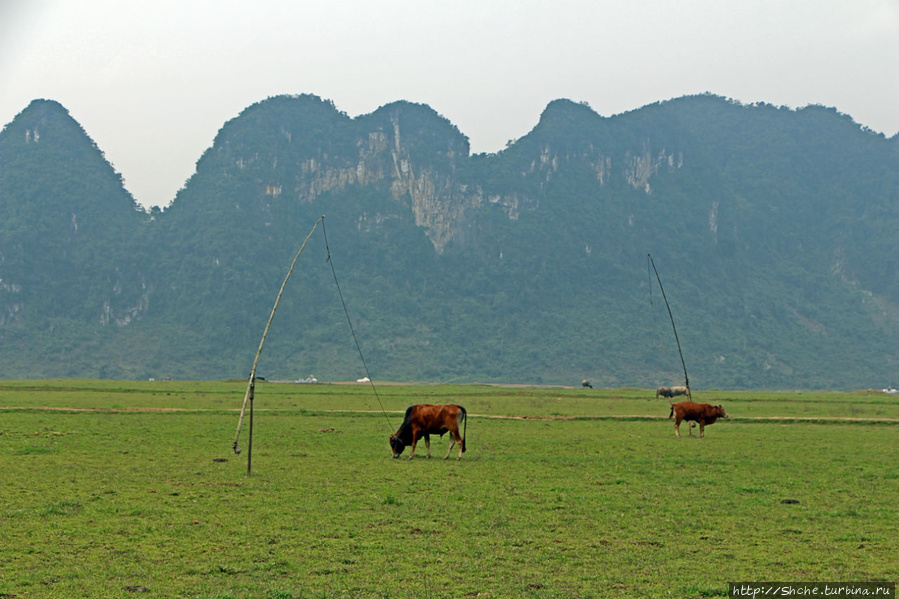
[131, 489]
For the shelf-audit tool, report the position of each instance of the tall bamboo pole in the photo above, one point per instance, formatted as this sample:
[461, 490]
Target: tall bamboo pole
[251, 384]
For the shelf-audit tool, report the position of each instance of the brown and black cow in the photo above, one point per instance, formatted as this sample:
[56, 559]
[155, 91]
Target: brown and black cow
[424, 420]
[703, 413]
[673, 392]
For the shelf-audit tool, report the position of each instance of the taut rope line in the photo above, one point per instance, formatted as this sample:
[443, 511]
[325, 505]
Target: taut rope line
[248, 397]
[686, 378]
[352, 330]
[652, 306]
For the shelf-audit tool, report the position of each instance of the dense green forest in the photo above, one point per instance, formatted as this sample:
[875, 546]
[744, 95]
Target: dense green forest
[774, 232]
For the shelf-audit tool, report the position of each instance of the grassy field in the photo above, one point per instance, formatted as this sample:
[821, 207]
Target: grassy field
[121, 489]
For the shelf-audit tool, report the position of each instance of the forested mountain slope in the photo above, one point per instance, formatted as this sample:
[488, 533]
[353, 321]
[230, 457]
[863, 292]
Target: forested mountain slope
[774, 231]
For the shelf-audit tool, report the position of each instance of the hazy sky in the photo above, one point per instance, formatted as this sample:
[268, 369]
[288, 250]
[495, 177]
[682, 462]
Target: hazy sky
[152, 81]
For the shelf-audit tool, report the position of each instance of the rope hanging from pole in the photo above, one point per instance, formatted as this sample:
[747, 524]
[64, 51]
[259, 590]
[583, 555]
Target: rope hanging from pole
[352, 330]
[652, 306]
[652, 262]
[251, 384]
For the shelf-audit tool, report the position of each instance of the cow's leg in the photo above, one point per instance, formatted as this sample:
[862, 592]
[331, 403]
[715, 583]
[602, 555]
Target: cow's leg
[452, 442]
[414, 441]
[428, 445]
[677, 426]
[690, 428]
[454, 439]
[701, 429]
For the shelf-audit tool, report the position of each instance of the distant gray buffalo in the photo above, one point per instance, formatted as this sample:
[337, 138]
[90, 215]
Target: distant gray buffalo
[673, 392]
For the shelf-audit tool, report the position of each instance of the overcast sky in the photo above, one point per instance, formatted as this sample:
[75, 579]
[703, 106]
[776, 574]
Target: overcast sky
[152, 81]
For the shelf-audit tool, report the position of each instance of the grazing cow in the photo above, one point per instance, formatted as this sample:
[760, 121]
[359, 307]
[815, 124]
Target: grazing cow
[703, 413]
[424, 420]
[585, 384]
[673, 392]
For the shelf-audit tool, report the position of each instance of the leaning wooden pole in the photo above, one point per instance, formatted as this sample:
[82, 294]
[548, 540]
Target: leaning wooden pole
[664, 297]
[251, 385]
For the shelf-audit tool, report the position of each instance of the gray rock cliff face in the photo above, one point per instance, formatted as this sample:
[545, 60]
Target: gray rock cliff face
[384, 150]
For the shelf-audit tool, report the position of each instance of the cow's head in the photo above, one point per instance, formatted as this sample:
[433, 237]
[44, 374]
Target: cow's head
[396, 445]
[720, 413]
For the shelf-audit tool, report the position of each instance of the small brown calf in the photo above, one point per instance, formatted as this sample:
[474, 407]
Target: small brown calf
[703, 413]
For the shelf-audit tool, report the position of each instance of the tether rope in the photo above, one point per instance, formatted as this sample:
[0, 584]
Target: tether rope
[353, 330]
[671, 316]
[652, 306]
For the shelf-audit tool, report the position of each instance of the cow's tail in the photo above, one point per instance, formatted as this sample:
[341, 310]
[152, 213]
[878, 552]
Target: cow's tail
[671, 414]
[464, 426]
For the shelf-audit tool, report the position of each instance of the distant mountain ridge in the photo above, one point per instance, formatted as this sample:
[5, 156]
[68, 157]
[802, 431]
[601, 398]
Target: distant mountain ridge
[775, 232]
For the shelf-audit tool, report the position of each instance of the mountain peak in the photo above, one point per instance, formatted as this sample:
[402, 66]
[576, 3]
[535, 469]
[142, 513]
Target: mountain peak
[567, 110]
[44, 138]
[48, 123]
[566, 119]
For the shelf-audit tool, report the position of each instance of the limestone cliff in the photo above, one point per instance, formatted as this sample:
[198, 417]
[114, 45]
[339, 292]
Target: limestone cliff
[418, 157]
[408, 149]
